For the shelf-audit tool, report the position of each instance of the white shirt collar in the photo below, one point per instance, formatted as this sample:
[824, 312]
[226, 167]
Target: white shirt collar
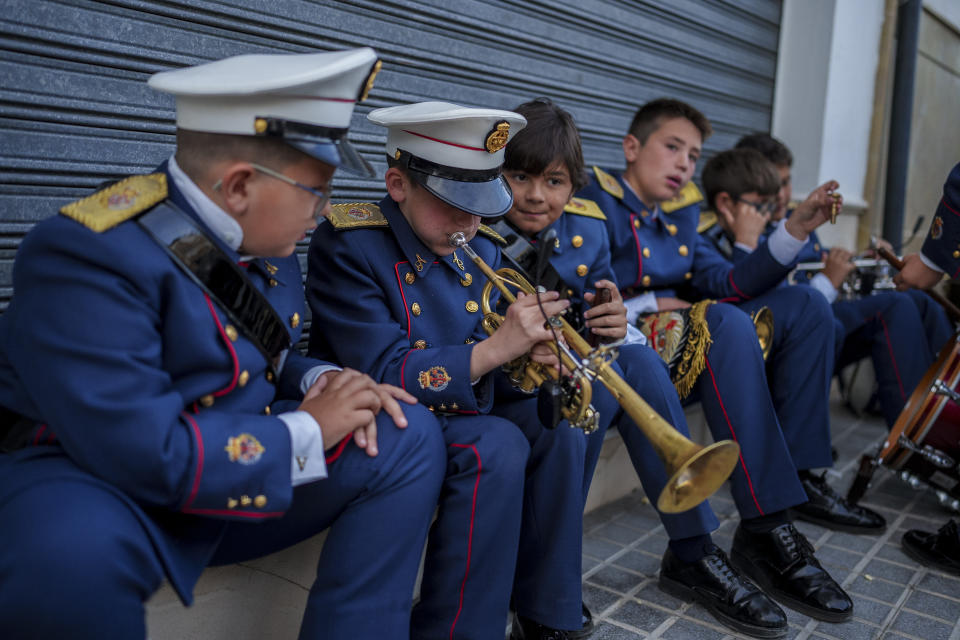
[220, 222]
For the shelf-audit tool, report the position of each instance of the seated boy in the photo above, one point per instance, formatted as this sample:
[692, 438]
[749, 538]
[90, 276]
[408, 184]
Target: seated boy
[139, 365]
[903, 332]
[654, 254]
[544, 166]
[403, 304]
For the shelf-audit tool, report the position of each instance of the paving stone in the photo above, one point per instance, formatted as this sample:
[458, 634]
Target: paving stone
[940, 583]
[655, 544]
[640, 561]
[812, 531]
[598, 600]
[851, 630]
[921, 626]
[870, 610]
[876, 588]
[587, 563]
[598, 548]
[943, 608]
[652, 594]
[851, 541]
[617, 533]
[889, 571]
[644, 520]
[838, 557]
[610, 632]
[639, 616]
[894, 553]
[688, 630]
[894, 636]
[616, 579]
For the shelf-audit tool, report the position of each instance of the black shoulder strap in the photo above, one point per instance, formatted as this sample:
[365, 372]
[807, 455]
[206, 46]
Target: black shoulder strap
[523, 256]
[220, 277]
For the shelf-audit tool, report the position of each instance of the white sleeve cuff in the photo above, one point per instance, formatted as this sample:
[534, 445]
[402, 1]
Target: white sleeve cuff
[927, 261]
[822, 284]
[644, 303]
[306, 445]
[313, 374]
[783, 246]
[634, 335]
[743, 247]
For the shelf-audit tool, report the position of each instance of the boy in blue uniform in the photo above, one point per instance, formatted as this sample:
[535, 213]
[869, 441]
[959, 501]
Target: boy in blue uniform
[149, 338]
[544, 166]
[902, 332]
[404, 306]
[655, 254]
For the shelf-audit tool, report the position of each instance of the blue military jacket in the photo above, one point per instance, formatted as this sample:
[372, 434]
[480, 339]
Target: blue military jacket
[130, 369]
[942, 245]
[385, 304]
[661, 250]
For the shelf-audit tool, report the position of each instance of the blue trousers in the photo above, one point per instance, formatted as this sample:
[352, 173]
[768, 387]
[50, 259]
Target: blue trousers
[77, 562]
[889, 328]
[937, 326]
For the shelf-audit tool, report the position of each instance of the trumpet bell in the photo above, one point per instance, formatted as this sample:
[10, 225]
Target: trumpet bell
[763, 323]
[699, 477]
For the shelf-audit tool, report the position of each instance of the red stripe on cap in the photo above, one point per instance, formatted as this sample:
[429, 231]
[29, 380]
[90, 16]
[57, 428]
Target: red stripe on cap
[452, 144]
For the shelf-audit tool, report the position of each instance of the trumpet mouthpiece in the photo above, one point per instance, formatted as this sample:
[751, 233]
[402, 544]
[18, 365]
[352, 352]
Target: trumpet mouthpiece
[457, 239]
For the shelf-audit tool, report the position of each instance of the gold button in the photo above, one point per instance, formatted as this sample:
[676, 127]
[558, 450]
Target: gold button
[646, 252]
[231, 332]
[431, 408]
[269, 376]
[469, 341]
[231, 503]
[295, 321]
[245, 501]
[260, 502]
[636, 223]
[556, 242]
[646, 281]
[682, 250]
[260, 125]
[454, 406]
[672, 228]
[466, 280]
[410, 278]
[415, 308]
[644, 214]
[272, 282]
[687, 275]
[472, 306]
[576, 241]
[443, 407]
[266, 410]
[420, 344]
[207, 400]
[582, 270]
[244, 378]
[270, 268]
[956, 254]
[816, 246]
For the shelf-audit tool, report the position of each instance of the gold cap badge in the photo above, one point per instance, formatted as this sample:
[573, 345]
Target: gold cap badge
[497, 138]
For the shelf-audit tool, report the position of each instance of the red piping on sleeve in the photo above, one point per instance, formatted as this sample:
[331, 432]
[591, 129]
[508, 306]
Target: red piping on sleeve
[196, 476]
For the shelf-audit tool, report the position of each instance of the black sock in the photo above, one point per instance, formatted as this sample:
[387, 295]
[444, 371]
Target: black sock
[767, 522]
[690, 550]
[806, 474]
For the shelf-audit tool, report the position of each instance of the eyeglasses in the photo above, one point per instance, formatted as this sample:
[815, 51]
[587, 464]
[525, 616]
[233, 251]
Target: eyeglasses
[323, 197]
[765, 208]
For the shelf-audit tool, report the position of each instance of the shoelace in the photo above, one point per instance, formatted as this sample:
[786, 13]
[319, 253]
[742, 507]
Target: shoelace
[796, 544]
[719, 566]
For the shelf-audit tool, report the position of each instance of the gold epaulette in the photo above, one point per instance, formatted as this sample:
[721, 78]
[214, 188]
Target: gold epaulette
[493, 235]
[119, 202]
[356, 215]
[584, 207]
[608, 183]
[687, 196]
[707, 220]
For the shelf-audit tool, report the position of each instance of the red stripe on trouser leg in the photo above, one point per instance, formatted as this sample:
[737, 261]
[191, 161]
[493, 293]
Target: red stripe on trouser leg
[733, 434]
[473, 512]
[896, 369]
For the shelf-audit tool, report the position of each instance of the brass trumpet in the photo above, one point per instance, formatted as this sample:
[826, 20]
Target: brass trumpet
[696, 472]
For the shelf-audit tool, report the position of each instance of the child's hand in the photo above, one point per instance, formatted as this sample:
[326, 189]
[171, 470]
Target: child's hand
[608, 320]
[746, 223]
[814, 211]
[837, 266]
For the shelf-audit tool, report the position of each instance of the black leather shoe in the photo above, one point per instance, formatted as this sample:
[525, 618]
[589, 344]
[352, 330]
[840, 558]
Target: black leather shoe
[940, 550]
[829, 509]
[724, 592]
[526, 629]
[782, 563]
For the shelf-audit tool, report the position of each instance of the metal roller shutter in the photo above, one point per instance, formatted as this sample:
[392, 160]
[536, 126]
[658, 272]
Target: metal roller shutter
[75, 109]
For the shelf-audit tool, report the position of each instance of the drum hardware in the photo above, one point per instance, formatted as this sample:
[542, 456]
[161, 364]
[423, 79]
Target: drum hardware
[941, 389]
[695, 471]
[932, 455]
[868, 277]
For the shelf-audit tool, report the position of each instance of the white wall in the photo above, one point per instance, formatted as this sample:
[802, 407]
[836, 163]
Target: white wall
[946, 10]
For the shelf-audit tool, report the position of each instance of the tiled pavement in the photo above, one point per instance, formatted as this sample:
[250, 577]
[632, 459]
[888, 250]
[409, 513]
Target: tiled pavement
[895, 598]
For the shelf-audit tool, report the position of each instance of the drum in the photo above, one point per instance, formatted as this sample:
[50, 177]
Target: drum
[923, 447]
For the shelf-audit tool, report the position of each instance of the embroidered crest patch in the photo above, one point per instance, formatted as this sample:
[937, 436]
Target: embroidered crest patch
[497, 138]
[434, 378]
[244, 449]
[936, 229]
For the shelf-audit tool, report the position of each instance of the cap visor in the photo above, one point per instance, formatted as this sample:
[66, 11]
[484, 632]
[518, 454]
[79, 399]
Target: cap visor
[485, 199]
[339, 154]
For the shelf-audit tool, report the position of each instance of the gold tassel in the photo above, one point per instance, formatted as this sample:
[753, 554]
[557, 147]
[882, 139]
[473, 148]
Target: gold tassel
[694, 357]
